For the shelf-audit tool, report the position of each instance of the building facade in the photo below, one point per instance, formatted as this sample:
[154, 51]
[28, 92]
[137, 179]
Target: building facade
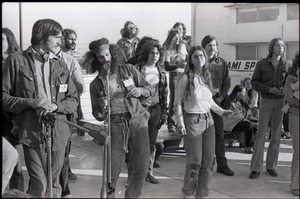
[244, 31]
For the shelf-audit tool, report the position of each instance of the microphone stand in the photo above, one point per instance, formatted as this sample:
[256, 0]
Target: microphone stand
[47, 135]
[106, 170]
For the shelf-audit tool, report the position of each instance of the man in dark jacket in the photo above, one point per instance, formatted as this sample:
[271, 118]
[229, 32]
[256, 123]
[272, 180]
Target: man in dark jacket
[221, 84]
[35, 84]
[129, 119]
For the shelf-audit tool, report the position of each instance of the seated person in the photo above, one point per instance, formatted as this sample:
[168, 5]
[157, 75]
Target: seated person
[251, 96]
[240, 121]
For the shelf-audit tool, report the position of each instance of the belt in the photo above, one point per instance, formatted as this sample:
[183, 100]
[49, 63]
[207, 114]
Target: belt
[175, 73]
[120, 114]
[201, 115]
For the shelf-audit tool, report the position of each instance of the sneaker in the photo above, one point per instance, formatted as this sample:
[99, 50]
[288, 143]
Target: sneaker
[80, 132]
[67, 196]
[172, 129]
[156, 164]
[225, 170]
[272, 172]
[151, 179]
[187, 196]
[286, 135]
[249, 150]
[254, 174]
[295, 192]
[72, 176]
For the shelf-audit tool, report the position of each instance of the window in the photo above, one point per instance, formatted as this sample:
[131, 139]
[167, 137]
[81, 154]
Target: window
[292, 11]
[246, 52]
[268, 14]
[247, 15]
[261, 50]
[252, 51]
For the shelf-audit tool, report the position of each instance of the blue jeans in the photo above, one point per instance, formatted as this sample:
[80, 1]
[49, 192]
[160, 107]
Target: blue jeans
[173, 80]
[35, 161]
[153, 132]
[200, 148]
[138, 142]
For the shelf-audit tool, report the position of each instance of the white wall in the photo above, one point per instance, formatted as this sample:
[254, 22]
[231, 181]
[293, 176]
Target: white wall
[214, 19]
[92, 21]
[217, 20]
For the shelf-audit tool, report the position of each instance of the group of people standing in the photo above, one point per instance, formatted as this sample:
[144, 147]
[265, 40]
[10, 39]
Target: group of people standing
[40, 80]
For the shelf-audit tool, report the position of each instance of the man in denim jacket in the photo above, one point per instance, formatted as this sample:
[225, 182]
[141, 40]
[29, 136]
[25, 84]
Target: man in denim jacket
[34, 85]
[129, 119]
[221, 84]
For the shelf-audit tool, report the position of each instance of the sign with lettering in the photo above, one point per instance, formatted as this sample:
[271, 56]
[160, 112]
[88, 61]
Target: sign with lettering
[242, 65]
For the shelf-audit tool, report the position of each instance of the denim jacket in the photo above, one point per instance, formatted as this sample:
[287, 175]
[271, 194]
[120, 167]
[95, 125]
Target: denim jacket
[219, 76]
[265, 76]
[139, 114]
[20, 85]
[163, 90]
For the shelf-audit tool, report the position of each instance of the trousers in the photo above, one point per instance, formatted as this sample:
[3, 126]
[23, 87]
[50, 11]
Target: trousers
[200, 149]
[270, 109]
[294, 130]
[138, 142]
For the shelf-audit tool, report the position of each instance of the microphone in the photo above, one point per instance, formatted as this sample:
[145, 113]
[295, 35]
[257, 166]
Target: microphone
[106, 66]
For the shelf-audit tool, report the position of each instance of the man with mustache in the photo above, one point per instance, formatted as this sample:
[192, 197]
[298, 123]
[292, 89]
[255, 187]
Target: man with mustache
[128, 89]
[221, 84]
[129, 41]
[34, 84]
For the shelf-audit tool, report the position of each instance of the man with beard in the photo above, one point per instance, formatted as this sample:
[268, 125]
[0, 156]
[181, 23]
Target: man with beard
[129, 41]
[69, 41]
[221, 84]
[129, 119]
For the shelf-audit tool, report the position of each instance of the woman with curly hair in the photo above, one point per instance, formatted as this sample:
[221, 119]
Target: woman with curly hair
[193, 106]
[174, 57]
[149, 65]
[184, 38]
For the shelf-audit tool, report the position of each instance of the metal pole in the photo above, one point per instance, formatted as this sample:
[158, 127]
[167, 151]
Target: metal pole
[20, 25]
[109, 134]
[47, 133]
[103, 192]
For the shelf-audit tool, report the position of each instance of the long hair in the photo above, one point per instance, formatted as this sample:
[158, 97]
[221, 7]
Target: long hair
[168, 44]
[44, 28]
[124, 32]
[183, 27]
[271, 47]
[190, 71]
[146, 48]
[91, 63]
[238, 88]
[13, 45]
[250, 92]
